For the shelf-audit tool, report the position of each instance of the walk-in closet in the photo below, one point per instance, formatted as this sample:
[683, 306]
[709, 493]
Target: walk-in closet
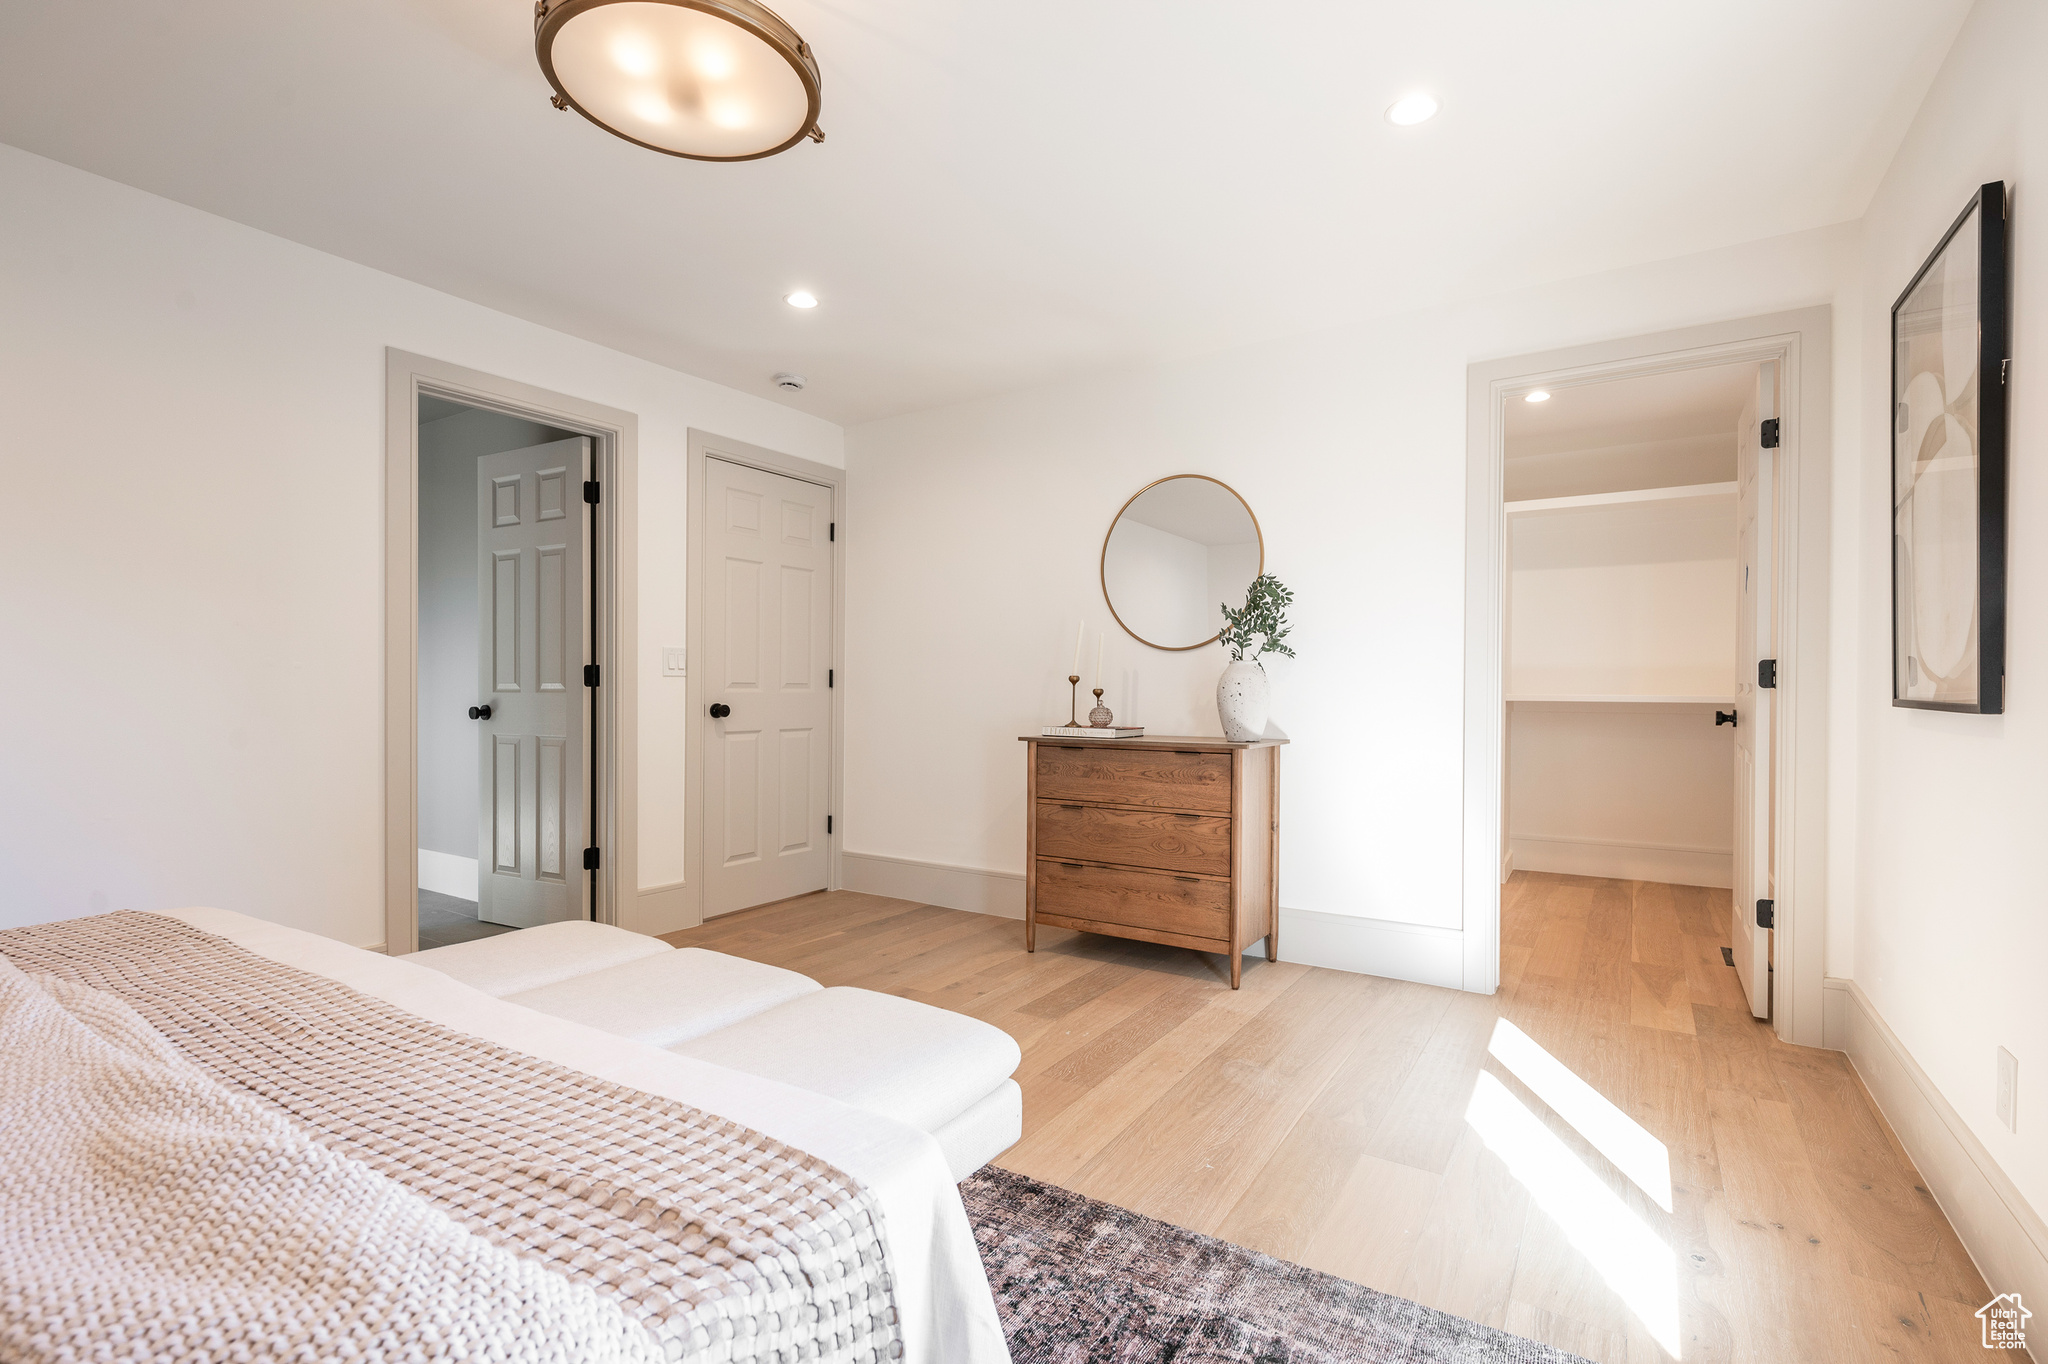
[1626, 512]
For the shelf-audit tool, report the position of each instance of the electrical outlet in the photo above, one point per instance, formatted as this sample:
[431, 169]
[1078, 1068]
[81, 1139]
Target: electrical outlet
[672, 661]
[2008, 1089]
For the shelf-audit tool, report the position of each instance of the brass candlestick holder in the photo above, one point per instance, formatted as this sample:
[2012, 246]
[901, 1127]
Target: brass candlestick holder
[1074, 701]
[1100, 717]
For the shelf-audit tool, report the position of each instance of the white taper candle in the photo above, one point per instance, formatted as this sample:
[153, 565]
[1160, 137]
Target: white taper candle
[1080, 633]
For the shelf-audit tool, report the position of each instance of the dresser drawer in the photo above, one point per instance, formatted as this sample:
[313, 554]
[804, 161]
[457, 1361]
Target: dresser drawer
[1155, 902]
[1168, 778]
[1137, 838]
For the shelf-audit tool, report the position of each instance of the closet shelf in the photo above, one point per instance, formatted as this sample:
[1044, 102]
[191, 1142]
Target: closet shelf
[1691, 491]
[1637, 698]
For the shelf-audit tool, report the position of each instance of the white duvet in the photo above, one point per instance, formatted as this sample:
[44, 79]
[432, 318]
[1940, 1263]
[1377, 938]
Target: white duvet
[941, 1290]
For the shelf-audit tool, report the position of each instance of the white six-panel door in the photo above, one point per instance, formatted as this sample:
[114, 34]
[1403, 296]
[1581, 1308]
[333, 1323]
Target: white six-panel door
[768, 644]
[1755, 529]
[533, 637]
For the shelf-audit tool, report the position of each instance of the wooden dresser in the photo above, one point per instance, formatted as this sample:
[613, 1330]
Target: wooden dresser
[1167, 840]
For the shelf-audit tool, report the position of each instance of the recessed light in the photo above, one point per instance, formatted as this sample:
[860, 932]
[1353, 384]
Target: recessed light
[1536, 396]
[1410, 109]
[800, 299]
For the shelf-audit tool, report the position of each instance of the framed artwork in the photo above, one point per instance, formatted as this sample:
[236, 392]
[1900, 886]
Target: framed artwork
[1950, 353]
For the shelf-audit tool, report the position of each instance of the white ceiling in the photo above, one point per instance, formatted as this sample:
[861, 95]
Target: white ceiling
[1009, 193]
[1652, 407]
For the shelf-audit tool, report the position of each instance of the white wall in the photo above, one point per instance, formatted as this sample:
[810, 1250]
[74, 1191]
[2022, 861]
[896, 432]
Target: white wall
[1945, 929]
[1637, 598]
[976, 530]
[192, 596]
[1644, 792]
[449, 449]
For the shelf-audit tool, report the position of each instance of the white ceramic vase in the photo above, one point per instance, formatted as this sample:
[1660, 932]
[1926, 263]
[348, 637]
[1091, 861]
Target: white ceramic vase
[1242, 702]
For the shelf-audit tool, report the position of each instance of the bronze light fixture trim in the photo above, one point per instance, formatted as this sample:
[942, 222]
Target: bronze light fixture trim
[708, 80]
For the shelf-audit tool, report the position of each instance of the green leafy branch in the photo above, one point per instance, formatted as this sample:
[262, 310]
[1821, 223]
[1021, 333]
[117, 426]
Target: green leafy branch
[1262, 620]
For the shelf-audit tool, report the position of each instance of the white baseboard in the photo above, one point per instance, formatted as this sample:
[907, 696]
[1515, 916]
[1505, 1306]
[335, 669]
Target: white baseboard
[448, 874]
[2000, 1229]
[1507, 864]
[1622, 861]
[1343, 942]
[660, 909]
[1000, 893]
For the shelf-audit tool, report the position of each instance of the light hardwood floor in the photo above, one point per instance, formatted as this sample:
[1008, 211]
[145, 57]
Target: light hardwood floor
[1321, 1117]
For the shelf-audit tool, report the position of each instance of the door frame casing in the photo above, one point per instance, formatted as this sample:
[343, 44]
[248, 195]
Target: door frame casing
[1801, 343]
[615, 464]
[704, 445]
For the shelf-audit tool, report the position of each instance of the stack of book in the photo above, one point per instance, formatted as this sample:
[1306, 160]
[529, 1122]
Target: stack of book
[1091, 732]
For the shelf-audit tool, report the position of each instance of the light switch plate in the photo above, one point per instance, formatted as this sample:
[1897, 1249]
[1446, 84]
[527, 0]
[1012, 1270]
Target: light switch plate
[672, 661]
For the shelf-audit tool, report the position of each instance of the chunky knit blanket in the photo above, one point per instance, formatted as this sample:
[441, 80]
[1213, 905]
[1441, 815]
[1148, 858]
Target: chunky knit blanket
[206, 1155]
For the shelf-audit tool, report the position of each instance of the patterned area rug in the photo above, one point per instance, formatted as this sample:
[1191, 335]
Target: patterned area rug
[1082, 1282]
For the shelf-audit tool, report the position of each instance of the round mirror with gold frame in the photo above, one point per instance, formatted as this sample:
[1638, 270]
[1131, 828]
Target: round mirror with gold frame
[1178, 550]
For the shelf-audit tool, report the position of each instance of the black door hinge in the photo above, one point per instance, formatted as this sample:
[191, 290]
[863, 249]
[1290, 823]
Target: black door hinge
[1767, 673]
[590, 491]
[828, 677]
[590, 859]
[828, 824]
[1766, 913]
[590, 674]
[832, 533]
[1770, 433]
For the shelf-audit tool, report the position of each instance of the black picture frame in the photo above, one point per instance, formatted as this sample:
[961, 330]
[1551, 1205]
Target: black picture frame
[1982, 411]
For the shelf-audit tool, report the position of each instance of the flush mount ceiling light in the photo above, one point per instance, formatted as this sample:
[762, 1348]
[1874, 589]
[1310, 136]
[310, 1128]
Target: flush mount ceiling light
[801, 299]
[711, 80]
[1536, 395]
[1411, 109]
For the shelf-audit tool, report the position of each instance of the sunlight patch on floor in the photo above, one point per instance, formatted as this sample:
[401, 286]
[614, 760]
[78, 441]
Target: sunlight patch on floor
[1633, 1261]
[1614, 1134]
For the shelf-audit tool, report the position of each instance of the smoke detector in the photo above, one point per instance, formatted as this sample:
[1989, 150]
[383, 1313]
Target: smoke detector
[793, 382]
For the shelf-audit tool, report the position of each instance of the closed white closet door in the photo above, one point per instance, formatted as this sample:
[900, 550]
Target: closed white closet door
[768, 643]
[1754, 473]
[533, 638]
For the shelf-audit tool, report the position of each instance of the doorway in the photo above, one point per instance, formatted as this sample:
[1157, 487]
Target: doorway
[766, 642]
[1639, 538]
[1797, 345]
[510, 601]
[504, 768]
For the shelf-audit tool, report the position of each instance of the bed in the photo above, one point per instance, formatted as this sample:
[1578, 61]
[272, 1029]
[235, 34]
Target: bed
[861, 1248]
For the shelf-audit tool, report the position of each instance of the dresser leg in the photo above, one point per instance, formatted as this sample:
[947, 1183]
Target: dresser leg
[1273, 945]
[1236, 967]
[1030, 934]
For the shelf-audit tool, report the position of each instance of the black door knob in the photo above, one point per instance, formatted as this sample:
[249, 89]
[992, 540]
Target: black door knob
[480, 712]
[1723, 717]
[719, 710]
